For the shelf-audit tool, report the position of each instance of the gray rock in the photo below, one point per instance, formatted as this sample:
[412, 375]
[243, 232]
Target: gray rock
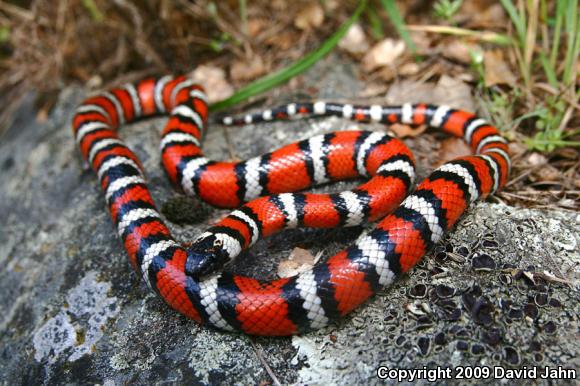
[74, 312]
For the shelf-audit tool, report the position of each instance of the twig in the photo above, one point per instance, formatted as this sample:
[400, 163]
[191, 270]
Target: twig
[525, 174]
[16, 11]
[260, 354]
[548, 88]
[142, 46]
[547, 192]
[486, 36]
[567, 116]
[513, 195]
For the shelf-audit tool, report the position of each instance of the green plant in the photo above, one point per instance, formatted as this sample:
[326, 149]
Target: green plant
[551, 112]
[446, 9]
[96, 14]
[476, 57]
[549, 119]
[397, 20]
[375, 23]
[263, 84]
[4, 34]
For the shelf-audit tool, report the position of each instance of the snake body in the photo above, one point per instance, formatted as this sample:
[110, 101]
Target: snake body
[190, 280]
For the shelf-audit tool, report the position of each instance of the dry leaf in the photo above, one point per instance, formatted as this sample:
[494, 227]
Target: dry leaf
[383, 53]
[309, 17]
[243, 70]
[410, 91]
[497, 70]
[408, 69]
[453, 92]
[214, 81]
[452, 148]
[255, 26]
[549, 276]
[517, 149]
[406, 131]
[482, 15]
[537, 159]
[355, 41]
[460, 50]
[373, 89]
[42, 115]
[548, 173]
[422, 41]
[300, 260]
[284, 40]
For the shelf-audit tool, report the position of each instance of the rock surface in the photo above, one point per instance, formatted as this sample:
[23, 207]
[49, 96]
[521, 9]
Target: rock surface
[73, 311]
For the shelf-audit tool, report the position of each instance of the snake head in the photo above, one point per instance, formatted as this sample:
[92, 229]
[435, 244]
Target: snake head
[205, 256]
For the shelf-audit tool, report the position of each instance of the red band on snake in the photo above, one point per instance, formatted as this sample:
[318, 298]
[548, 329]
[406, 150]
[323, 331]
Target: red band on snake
[189, 279]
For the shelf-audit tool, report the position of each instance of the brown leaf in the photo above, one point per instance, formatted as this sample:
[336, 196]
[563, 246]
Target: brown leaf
[551, 277]
[410, 91]
[453, 92]
[244, 70]
[309, 17]
[537, 159]
[383, 53]
[300, 260]
[214, 81]
[547, 173]
[460, 50]
[448, 91]
[355, 41]
[452, 148]
[497, 70]
[284, 40]
[255, 26]
[406, 131]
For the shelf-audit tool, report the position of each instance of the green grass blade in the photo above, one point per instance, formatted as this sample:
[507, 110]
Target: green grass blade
[399, 23]
[549, 70]
[560, 14]
[96, 14]
[270, 81]
[573, 31]
[517, 20]
[375, 22]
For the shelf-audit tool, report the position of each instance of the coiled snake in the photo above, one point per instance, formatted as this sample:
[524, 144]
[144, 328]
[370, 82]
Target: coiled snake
[190, 280]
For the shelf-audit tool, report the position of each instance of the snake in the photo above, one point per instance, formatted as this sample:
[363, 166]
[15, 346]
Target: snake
[266, 195]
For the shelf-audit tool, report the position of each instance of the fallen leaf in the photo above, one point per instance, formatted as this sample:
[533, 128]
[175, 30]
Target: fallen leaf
[537, 159]
[284, 40]
[406, 131]
[408, 69]
[453, 92]
[244, 70]
[300, 260]
[383, 53]
[452, 148]
[354, 41]
[517, 149]
[448, 91]
[42, 115]
[309, 17]
[410, 91]
[496, 69]
[422, 41]
[547, 173]
[373, 89]
[214, 81]
[255, 26]
[549, 276]
[460, 50]
[482, 15]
